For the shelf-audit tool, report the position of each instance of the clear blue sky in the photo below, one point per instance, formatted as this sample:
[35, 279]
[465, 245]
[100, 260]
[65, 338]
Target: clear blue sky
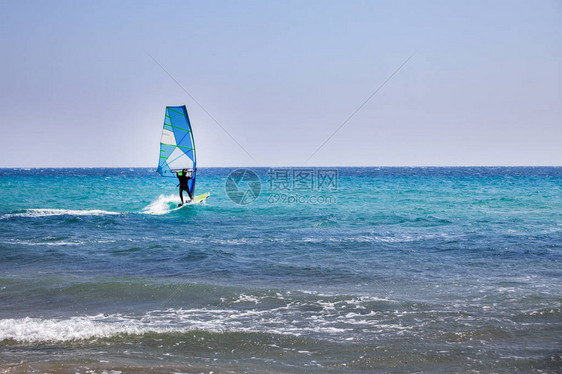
[484, 85]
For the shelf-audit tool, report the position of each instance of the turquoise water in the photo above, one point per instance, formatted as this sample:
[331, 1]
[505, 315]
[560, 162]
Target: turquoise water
[395, 270]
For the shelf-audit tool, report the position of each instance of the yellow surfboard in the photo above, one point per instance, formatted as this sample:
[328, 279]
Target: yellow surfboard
[201, 198]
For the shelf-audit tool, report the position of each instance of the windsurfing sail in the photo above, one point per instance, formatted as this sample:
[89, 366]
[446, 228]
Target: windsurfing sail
[177, 148]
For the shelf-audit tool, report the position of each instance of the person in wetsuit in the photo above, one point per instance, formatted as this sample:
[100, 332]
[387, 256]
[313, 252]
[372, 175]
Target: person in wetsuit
[184, 177]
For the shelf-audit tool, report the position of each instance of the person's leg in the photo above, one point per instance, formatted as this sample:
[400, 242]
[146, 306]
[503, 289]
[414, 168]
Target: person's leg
[181, 195]
[190, 195]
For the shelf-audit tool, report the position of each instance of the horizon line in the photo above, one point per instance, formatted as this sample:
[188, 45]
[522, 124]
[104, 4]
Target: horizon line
[293, 166]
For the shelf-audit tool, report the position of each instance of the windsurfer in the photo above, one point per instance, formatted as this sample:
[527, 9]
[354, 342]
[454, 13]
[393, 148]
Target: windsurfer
[184, 176]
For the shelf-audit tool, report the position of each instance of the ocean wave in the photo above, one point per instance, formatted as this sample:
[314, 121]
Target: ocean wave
[76, 328]
[54, 242]
[331, 320]
[334, 318]
[33, 213]
[325, 239]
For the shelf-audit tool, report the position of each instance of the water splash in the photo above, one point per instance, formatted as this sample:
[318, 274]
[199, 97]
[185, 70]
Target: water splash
[164, 204]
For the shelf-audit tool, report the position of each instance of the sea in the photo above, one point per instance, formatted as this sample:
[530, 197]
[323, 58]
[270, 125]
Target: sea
[282, 270]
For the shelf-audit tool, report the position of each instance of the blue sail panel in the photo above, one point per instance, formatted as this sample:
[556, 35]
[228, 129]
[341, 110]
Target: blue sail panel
[177, 146]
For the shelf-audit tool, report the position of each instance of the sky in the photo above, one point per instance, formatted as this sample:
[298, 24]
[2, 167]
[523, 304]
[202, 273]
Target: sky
[282, 83]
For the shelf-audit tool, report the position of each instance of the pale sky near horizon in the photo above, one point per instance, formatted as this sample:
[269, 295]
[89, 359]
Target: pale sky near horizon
[79, 87]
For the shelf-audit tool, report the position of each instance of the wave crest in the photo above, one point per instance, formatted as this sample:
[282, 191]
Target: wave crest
[33, 213]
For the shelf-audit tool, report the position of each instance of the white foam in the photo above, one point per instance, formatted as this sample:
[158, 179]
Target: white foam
[246, 299]
[165, 204]
[75, 328]
[333, 321]
[106, 326]
[161, 205]
[237, 241]
[52, 243]
[57, 212]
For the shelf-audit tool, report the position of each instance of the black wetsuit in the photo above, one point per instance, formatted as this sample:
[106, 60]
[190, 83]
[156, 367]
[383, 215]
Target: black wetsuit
[184, 178]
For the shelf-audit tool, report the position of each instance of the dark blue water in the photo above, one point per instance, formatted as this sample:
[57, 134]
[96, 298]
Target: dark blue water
[388, 269]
